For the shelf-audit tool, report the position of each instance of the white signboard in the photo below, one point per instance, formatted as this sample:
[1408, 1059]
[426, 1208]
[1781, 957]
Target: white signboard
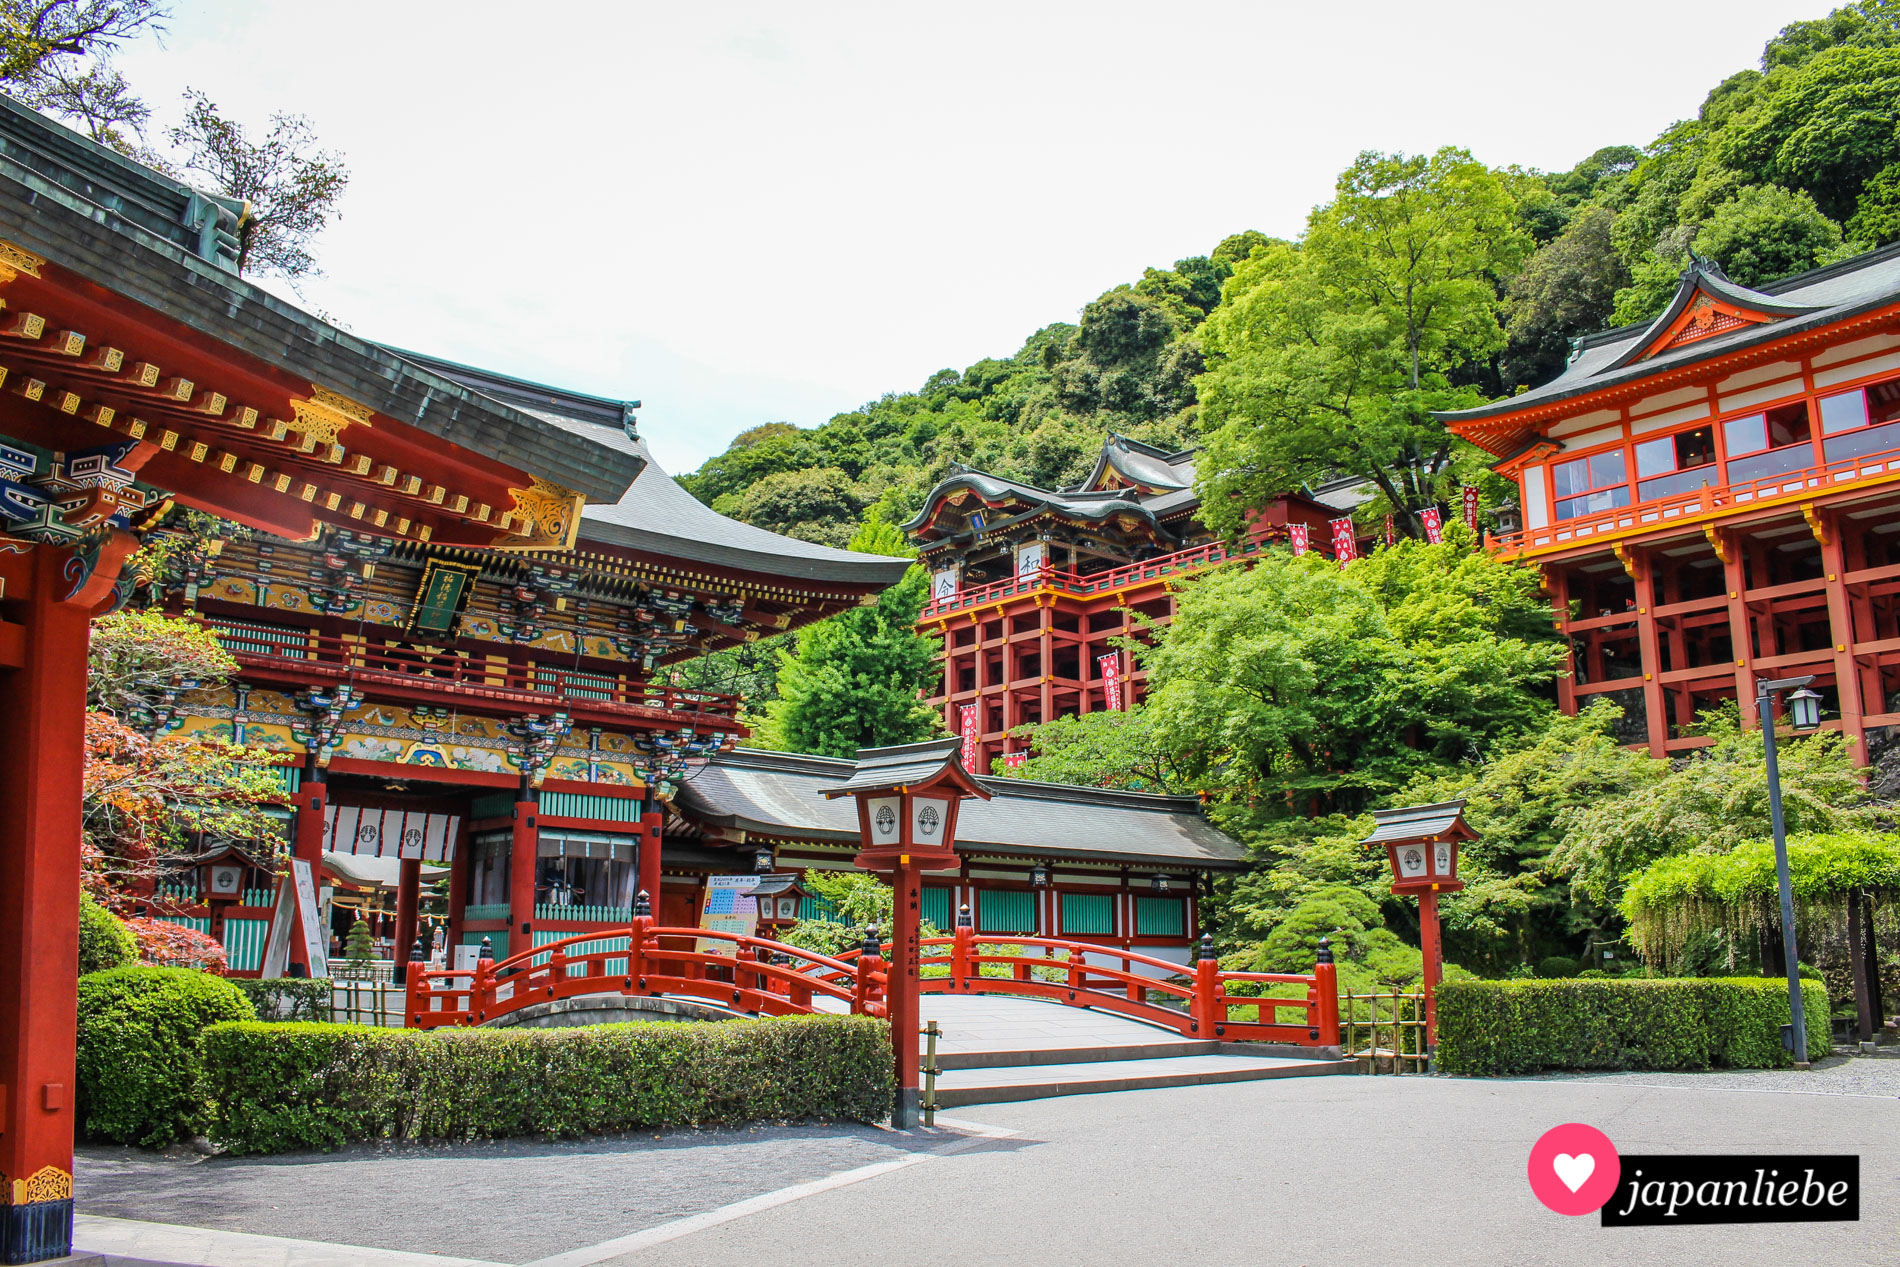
[296, 903]
[943, 584]
[313, 946]
[1411, 861]
[1441, 859]
[392, 833]
[1030, 558]
[730, 907]
[885, 829]
[928, 817]
[277, 944]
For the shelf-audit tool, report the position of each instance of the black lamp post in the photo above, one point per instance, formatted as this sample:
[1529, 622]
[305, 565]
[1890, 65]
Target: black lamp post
[1039, 876]
[1804, 713]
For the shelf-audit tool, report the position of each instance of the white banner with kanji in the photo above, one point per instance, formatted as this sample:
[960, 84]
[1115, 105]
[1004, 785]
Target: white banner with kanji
[392, 833]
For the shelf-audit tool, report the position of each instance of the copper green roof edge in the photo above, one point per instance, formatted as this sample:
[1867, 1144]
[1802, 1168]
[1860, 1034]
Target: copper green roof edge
[1698, 278]
[1042, 498]
[1567, 385]
[1117, 448]
[1414, 821]
[95, 240]
[606, 405]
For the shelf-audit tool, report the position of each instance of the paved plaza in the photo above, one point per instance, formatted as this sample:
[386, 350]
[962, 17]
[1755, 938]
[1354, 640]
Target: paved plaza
[1314, 1170]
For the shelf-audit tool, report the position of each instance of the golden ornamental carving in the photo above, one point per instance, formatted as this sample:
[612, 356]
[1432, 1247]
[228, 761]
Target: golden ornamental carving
[15, 260]
[48, 1183]
[551, 514]
[327, 414]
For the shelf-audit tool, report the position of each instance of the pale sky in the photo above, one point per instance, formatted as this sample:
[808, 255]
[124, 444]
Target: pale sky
[740, 213]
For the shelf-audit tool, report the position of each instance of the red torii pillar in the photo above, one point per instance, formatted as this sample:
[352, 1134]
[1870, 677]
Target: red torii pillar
[48, 596]
[311, 824]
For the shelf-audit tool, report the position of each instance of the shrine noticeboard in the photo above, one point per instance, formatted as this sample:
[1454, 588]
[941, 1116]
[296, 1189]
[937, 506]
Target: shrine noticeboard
[728, 907]
[296, 905]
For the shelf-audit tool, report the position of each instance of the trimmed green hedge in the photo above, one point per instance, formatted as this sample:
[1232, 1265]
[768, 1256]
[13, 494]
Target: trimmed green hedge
[138, 1050]
[104, 940]
[277, 1087]
[1496, 1027]
[287, 998]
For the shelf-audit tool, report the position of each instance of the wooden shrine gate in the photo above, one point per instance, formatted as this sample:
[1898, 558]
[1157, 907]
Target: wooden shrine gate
[770, 978]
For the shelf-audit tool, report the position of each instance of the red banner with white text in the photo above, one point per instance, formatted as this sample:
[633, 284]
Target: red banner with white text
[1345, 544]
[1111, 670]
[967, 721]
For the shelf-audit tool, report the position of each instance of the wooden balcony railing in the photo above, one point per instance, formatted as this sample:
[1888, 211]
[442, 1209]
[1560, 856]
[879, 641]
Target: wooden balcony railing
[1707, 500]
[1094, 584]
[423, 671]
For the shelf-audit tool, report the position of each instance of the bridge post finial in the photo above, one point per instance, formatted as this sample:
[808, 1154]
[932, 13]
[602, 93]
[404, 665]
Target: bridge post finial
[487, 951]
[964, 919]
[1325, 951]
[873, 944]
[642, 906]
[415, 950]
[1207, 945]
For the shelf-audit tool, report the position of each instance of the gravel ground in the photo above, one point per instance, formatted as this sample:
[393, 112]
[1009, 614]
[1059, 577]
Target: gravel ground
[1877, 1076]
[504, 1200]
[1332, 1170]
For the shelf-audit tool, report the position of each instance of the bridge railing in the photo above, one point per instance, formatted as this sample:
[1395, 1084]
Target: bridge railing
[1197, 1001]
[773, 978]
[767, 977]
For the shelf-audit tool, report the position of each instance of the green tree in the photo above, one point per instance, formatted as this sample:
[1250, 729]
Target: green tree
[1826, 128]
[817, 504]
[56, 55]
[1567, 289]
[1103, 749]
[1317, 689]
[290, 187]
[1514, 908]
[1868, 24]
[855, 679]
[359, 948]
[1715, 800]
[1876, 219]
[1766, 232]
[1328, 357]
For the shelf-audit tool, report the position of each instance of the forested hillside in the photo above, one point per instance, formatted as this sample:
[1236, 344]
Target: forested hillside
[1297, 361]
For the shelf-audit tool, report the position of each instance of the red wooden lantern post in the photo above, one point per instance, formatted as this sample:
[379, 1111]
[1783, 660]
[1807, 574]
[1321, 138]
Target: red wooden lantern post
[1421, 843]
[908, 798]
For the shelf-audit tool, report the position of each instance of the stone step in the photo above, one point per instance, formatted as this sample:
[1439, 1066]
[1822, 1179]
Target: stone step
[1002, 1058]
[998, 1084]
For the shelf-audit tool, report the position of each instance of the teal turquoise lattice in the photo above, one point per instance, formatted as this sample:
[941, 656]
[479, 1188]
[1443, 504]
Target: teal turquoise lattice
[244, 943]
[598, 945]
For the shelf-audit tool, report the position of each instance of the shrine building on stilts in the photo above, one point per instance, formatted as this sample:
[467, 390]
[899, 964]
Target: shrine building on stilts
[1031, 588]
[1713, 497]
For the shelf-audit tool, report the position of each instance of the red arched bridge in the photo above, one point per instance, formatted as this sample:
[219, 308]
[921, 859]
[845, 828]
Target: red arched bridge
[770, 978]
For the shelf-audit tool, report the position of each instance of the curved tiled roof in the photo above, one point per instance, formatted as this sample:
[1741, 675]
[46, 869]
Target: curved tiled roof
[1099, 504]
[172, 249]
[656, 514]
[1143, 464]
[1803, 302]
[782, 794]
